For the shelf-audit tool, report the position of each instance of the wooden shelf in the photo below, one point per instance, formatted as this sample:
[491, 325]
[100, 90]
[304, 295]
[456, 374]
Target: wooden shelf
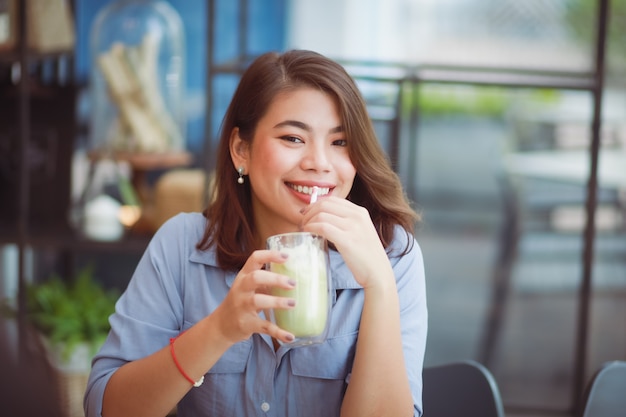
[62, 237]
[146, 161]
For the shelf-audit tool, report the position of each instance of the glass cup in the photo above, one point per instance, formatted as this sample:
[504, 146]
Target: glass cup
[308, 265]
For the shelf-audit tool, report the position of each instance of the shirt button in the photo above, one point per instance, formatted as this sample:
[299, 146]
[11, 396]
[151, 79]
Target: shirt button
[265, 407]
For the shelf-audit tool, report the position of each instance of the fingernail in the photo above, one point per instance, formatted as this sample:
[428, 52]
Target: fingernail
[284, 255]
[292, 282]
[289, 338]
[291, 302]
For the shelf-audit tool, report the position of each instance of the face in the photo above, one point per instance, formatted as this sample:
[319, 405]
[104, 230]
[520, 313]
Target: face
[297, 145]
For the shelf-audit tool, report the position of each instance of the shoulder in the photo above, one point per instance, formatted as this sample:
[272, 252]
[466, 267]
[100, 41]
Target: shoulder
[403, 243]
[178, 235]
[187, 225]
[181, 234]
[406, 256]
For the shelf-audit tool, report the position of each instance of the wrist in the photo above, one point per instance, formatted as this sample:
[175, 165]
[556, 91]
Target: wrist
[382, 280]
[180, 368]
[216, 332]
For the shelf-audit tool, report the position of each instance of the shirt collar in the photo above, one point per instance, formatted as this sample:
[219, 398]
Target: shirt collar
[341, 275]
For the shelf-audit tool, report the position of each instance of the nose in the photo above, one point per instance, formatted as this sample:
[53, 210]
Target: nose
[317, 156]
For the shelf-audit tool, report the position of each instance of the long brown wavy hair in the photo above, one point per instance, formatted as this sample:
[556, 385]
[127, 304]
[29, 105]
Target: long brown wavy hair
[230, 224]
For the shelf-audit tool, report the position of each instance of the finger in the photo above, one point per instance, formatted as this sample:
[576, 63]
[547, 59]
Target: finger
[276, 332]
[266, 302]
[339, 206]
[263, 281]
[260, 258]
[340, 213]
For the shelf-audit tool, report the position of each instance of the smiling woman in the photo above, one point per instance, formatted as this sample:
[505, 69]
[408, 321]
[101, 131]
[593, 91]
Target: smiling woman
[190, 331]
[300, 144]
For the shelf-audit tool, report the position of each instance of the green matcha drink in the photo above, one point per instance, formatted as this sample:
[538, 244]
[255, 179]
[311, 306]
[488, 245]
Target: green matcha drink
[307, 264]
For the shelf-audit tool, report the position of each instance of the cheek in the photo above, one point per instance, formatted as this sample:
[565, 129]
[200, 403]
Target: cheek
[261, 162]
[345, 167]
[264, 158]
[276, 162]
[347, 173]
[350, 172]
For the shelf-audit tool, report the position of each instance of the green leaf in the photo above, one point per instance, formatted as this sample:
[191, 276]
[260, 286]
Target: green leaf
[71, 312]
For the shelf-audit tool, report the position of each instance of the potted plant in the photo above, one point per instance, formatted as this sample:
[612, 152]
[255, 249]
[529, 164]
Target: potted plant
[72, 318]
[70, 314]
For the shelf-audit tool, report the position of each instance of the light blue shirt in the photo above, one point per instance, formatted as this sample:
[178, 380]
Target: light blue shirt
[175, 285]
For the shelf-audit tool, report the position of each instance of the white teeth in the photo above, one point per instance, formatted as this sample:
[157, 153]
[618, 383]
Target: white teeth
[309, 190]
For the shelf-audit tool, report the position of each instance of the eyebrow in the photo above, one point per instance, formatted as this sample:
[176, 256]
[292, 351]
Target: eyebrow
[304, 126]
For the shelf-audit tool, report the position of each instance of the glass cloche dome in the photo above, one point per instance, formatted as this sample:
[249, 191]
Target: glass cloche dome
[137, 78]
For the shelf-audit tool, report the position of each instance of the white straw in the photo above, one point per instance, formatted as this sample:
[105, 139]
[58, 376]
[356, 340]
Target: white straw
[314, 194]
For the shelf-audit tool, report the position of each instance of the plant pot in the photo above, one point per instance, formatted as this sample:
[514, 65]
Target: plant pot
[71, 375]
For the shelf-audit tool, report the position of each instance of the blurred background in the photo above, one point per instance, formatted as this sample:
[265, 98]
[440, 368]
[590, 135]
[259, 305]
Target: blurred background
[486, 109]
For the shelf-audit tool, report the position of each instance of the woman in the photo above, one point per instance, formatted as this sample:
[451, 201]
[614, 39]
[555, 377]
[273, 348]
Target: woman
[188, 331]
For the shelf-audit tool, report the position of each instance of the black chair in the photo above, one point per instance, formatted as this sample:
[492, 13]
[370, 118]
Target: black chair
[460, 389]
[605, 395]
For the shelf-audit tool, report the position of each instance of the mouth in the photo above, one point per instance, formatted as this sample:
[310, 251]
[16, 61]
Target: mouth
[305, 189]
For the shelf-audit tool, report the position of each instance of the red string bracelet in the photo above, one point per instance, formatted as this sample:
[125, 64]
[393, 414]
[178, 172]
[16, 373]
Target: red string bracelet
[197, 383]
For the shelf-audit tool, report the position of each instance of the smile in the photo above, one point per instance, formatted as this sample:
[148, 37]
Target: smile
[308, 190]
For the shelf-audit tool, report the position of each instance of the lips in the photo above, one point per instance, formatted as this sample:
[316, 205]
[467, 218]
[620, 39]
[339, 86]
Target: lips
[305, 189]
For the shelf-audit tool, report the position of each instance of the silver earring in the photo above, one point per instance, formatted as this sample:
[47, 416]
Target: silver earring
[240, 179]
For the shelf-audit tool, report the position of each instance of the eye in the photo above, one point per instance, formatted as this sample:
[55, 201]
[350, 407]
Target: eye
[340, 142]
[293, 139]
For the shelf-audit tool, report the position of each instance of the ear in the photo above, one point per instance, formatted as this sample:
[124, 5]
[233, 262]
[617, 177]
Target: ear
[239, 149]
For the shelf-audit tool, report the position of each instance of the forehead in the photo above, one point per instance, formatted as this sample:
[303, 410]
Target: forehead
[305, 103]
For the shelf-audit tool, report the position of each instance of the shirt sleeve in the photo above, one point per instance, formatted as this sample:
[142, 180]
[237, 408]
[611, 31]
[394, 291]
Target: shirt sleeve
[147, 314]
[410, 281]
